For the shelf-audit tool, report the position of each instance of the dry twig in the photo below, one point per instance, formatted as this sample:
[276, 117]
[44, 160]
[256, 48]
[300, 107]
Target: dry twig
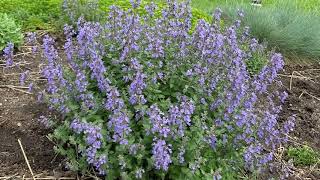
[37, 178]
[26, 159]
[305, 92]
[20, 54]
[17, 88]
[298, 76]
[17, 64]
[10, 177]
[18, 74]
[290, 86]
[2, 122]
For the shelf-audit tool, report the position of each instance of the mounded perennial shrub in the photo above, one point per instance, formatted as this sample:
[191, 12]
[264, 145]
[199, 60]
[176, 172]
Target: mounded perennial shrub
[144, 98]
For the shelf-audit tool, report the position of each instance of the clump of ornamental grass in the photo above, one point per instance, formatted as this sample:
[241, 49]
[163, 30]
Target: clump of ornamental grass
[292, 31]
[144, 98]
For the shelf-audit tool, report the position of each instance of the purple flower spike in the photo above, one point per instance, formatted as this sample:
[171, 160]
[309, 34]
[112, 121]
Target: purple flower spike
[94, 143]
[217, 14]
[8, 54]
[23, 77]
[160, 124]
[161, 154]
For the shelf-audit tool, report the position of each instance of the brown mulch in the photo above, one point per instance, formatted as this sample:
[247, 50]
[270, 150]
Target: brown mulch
[302, 83]
[19, 119]
[304, 101]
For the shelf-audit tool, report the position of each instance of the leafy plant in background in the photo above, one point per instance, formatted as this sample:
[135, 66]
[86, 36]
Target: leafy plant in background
[9, 31]
[33, 14]
[93, 10]
[88, 9]
[49, 15]
[143, 98]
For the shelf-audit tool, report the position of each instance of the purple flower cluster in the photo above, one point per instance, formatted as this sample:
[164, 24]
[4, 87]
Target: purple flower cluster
[45, 121]
[68, 46]
[50, 71]
[135, 3]
[8, 54]
[23, 77]
[180, 116]
[30, 87]
[119, 122]
[54, 73]
[181, 155]
[268, 73]
[161, 154]
[289, 124]
[87, 55]
[82, 84]
[250, 155]
[160, 123]
[136, 88]
[174, 122]
[32, 40]
[155, 40]
[139, 173]
[94, 142]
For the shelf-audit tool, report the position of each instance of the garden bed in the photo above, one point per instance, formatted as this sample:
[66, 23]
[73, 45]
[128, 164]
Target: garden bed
[19, 119]
[304, 101]
[133, 110]
[20, 111]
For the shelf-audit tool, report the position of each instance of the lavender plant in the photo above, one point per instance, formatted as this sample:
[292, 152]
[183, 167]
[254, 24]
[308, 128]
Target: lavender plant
[145, 97]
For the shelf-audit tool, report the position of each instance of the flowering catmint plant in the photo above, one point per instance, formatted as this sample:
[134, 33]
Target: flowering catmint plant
[147, 97]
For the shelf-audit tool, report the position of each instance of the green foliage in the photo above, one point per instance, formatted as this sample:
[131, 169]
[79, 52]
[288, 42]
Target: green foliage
[9, 31]
[256, 63]
[40, 14]
[81, 9]
[33, 14]
[303, 156]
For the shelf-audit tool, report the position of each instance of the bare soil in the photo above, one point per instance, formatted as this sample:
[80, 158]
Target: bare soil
[302, 83]
[304, 100]
[19, 119]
